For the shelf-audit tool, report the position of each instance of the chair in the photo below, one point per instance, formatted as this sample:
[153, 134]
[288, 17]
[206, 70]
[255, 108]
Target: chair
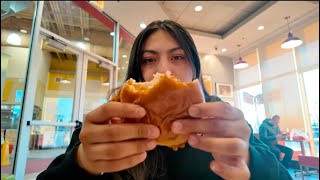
[306, 162]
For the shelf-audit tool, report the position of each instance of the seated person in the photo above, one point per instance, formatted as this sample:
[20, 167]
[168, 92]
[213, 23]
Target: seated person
[270, 133]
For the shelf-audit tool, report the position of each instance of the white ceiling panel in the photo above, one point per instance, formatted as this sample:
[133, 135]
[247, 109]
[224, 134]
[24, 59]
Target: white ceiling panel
[189, 16]
[174, 8]
[238, 18]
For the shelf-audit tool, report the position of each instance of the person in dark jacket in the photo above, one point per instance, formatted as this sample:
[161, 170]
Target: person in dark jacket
[270, 134]
[220, 145]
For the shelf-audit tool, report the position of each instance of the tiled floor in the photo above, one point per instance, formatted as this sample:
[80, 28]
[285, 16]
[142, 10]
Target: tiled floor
[298, 177]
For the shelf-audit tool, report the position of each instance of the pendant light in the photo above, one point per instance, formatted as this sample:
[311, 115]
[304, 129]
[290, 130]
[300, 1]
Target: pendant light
[291, 41]
[240, 63]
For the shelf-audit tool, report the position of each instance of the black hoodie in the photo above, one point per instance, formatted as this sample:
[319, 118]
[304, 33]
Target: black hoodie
[187, 164]
[268, 133]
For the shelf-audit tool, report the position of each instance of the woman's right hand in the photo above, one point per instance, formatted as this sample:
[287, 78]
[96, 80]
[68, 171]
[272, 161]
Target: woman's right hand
[114, 147]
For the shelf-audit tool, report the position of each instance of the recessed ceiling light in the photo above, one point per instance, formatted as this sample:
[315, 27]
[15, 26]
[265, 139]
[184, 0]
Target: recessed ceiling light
[224, 50]
[14, 39]
[65, 81]
[206, 57]
[124, 56]
[86, 39]
[23, 31]
[122, 68]
[143, 25]
[81, 45]
[126, 62]
[198, 8]
[112, 33]
[260, 28]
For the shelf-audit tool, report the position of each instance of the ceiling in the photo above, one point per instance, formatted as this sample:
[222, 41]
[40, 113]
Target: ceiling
[216, 18]
[67, 20]
[221, 24]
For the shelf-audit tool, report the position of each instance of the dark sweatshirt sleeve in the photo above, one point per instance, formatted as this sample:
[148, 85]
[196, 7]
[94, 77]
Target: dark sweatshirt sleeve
[263, 164]
[263, 134]
[65, 166]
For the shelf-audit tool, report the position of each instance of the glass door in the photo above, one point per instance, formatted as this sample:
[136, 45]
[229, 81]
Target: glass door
[97, 85]
[70, 83]
[57, 93]
[16, 23]
[56, 104]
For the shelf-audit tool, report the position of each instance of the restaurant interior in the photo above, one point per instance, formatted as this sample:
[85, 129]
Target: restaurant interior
[62, 59]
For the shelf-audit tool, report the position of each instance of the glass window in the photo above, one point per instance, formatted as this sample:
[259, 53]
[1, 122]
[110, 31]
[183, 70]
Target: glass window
[275, 60]
[311, 84]
[250, 74]
[308, 63]
[283, 99]
[252, 106]
[97, 86]
[125, 46]
[308, 52]
[71, 22]
[15, 43]
[279, 78]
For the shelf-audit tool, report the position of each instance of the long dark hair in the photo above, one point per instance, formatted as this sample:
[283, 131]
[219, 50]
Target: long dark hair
[183, 38]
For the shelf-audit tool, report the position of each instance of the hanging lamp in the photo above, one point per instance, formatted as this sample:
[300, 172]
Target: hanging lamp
[291, 41]
[240, 63]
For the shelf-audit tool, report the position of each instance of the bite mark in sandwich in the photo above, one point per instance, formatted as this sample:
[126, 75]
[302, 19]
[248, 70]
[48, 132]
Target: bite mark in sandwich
[165, 99]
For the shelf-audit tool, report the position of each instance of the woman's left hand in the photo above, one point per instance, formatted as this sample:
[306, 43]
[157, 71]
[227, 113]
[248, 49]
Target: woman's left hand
[223, 132]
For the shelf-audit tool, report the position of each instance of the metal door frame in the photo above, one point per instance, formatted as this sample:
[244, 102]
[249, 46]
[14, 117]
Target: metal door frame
[23, 136]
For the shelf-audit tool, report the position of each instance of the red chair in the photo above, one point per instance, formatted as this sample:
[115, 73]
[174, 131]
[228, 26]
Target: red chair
[307, 162]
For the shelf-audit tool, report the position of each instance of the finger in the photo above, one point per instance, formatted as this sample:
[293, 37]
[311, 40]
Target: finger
[226, 146]
[116, 120]
[216, 127]
[113, 151]
[226, 171]
[230, 160]
[119, 164]
[115, 109]
[215, 109]
[104, 133]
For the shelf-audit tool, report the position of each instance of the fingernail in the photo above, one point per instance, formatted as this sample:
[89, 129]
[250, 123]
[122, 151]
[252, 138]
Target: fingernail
[193, 140]
[151, 144]
[140, 111]
[153, 132]
[215, 168]
[143, 155]
[193, 111]
[176, 127]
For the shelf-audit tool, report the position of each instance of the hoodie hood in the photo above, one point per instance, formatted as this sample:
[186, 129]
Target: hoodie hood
[266, 121]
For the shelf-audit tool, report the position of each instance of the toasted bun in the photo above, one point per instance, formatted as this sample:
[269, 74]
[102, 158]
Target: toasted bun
[165, 100]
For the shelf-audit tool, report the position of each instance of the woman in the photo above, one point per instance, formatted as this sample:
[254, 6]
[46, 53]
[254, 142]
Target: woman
[128, 151]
